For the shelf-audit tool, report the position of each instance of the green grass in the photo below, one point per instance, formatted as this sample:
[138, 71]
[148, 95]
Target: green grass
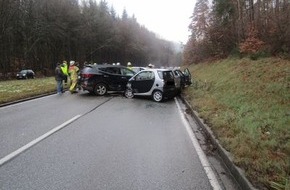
[247, 105]
[20, 89]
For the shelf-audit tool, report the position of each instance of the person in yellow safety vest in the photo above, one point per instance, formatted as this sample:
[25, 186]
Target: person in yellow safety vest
[129, 65]
[73, 73]
[64, 68]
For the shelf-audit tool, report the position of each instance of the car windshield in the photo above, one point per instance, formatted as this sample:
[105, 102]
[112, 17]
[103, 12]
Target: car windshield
[137, 69]
[127, 72]
[23, 71]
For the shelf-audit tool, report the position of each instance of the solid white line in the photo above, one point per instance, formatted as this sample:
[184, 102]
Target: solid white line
[202, 157]
[32, 143]
[24, 102]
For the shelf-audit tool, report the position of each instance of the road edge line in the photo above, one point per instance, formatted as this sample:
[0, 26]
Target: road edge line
[201, 155]
[237, 173]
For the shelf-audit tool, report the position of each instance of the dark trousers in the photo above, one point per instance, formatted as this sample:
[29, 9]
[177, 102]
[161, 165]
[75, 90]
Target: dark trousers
[59, 86]
[65, 79]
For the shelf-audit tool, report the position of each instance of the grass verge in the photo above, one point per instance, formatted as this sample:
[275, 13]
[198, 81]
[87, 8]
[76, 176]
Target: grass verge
[19, 89]
[246, 103]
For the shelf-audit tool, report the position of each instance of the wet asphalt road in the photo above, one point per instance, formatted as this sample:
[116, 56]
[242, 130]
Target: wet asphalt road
[116, 143]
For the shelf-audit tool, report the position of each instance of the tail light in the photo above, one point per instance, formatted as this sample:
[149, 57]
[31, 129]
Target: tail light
[87, 75]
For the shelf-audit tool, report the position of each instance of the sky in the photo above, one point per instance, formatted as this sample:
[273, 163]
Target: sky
[169, 19]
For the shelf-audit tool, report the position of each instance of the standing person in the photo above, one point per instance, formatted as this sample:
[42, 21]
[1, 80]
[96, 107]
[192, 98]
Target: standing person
[73, 73]
[64, 68]
[59, 77]
[78, 86]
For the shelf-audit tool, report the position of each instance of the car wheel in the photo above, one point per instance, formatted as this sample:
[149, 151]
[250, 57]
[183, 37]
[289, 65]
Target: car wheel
[100, 89]
[157, 96]
[129, 93]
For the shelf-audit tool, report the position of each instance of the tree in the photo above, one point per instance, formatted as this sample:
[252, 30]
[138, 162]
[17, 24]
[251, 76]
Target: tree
[199, 23]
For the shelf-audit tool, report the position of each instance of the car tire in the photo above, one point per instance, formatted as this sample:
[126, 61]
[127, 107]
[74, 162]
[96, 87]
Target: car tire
[157, 96]
[100, 89]
[129, 93]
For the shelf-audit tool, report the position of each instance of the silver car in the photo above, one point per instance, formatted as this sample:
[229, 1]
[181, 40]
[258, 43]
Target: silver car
[157, 83]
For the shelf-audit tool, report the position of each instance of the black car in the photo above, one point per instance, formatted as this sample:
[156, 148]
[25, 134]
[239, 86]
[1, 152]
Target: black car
[100, 79]
[25, 74]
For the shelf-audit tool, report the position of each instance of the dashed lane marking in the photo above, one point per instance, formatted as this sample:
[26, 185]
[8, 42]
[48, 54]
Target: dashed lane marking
[54, 130]
[34, 142]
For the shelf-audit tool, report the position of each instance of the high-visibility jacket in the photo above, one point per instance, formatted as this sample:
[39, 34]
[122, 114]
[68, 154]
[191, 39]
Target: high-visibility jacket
[64, 68]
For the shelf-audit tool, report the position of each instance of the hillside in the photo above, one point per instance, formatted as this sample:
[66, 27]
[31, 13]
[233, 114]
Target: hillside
[246, 103]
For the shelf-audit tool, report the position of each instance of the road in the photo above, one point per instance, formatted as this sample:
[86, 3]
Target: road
[109, 143]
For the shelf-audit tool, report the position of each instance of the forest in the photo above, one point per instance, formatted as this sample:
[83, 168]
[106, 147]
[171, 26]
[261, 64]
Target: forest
[254, 28]
[37, 34]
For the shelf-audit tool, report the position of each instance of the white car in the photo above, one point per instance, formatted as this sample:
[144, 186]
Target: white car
[157, 83]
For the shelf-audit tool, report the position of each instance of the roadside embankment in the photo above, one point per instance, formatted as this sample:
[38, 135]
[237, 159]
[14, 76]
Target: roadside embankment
[246, 104]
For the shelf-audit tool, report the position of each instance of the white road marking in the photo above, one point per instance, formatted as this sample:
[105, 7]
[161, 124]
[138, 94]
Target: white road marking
[202, 157]
[32, 143]
[26, 101]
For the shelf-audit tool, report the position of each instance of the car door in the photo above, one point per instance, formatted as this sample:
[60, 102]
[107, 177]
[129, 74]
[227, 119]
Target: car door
[182, 78]
[177, 79]
[187, 76]
[111, 77]
[125, 75]
[143, 82]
